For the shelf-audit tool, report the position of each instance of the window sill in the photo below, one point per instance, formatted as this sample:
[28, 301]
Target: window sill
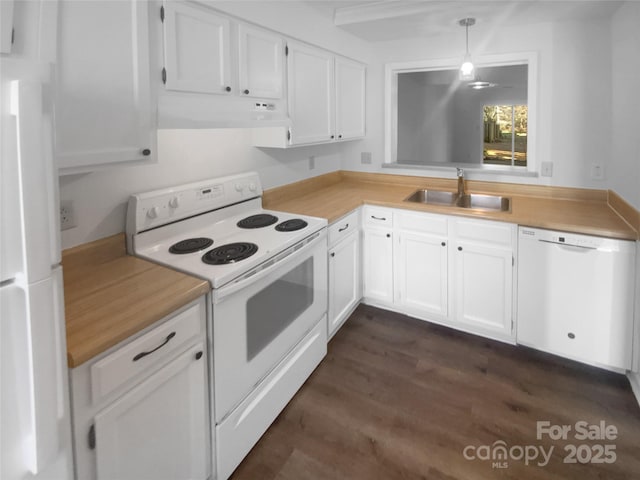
[471, 168]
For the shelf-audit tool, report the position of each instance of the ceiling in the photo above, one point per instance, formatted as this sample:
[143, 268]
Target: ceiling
[377, 20]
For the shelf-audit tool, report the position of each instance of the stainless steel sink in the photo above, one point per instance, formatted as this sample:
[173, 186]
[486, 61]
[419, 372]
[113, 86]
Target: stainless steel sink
[433, 197]
[477, 201]
[472, 201]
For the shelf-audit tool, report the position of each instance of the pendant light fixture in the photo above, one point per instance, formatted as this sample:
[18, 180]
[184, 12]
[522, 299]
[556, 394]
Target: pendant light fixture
[467, 70]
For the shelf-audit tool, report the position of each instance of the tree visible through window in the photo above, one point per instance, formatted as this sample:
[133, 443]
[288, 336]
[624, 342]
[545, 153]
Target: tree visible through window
[505, 135]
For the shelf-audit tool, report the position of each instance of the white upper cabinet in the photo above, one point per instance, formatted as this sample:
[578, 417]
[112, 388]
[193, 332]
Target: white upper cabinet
[260, 63]
[196, 49]
[310, 94]
[326, 95]
[102, 102]
[350, 98]
[6, 25]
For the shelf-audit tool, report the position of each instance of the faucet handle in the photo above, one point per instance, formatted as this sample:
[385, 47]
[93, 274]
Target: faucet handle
[460, 172]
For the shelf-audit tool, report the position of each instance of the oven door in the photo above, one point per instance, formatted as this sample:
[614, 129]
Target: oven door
[258, 319]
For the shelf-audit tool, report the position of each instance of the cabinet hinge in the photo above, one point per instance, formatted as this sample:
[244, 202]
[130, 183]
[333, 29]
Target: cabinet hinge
[164, 75]
[13, 36]
[91, 438]
[286, 50]
[513, 261]
[288, 134]
[162, 14]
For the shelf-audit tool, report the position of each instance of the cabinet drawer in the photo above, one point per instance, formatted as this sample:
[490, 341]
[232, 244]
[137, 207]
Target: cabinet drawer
[496, 233]
[377, 217]
[153, 348]
[343, 227]
[421, 222]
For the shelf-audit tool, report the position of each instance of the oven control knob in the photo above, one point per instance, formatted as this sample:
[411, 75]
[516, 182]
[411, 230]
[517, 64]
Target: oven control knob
[252, 187]
[174, 202]
[239, 187]
[152, 212]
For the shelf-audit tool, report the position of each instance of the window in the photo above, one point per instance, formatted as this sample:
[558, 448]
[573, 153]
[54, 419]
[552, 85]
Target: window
[505, 135]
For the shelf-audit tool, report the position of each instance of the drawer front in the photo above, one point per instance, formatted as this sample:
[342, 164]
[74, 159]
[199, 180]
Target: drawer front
[153, 348]
[343, 227]
[485, 231]
[421, 222]
[377, 217]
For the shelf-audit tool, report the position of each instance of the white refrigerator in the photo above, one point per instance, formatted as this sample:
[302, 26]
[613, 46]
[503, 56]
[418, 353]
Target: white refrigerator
[35, 433]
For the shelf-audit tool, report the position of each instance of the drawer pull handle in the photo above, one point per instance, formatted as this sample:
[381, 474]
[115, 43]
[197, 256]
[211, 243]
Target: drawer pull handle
[144, 354]
[343, 228]
[571, 335]
[378, 218]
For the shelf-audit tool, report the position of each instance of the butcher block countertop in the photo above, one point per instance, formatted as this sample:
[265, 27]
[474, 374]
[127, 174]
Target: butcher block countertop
[109, 296]
[333, 195]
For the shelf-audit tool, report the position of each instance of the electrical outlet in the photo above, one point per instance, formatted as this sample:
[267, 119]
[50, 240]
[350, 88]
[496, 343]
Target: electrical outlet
[547, 169]
[365, 158]
[312, 162]
[597, 171]
[67, 216]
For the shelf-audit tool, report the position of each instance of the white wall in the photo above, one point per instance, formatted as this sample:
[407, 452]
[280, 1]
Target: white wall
[624, 166]
[100, 197]
[574, 94]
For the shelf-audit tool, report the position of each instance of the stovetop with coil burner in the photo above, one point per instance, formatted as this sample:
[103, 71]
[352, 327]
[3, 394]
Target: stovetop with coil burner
[214, 229]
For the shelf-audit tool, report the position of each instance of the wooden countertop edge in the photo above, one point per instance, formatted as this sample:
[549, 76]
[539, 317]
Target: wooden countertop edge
[624, 210]
[127, 295]
[286, 197]
[84, 352]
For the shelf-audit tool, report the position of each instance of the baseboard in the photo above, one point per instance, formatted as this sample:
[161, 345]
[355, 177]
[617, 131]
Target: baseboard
[634, 380]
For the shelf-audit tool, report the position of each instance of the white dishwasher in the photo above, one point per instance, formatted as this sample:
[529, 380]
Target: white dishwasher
[575, 296]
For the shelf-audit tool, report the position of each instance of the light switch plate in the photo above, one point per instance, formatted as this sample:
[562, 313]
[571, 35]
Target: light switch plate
[365, 158]
[546, 169]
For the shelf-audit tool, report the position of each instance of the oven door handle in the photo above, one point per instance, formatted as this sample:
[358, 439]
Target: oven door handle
[289, 256]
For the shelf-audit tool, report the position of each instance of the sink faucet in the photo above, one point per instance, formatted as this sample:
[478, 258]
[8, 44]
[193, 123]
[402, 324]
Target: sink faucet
[460, 173]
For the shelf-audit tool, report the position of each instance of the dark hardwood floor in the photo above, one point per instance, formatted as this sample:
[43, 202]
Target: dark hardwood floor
[398, 398]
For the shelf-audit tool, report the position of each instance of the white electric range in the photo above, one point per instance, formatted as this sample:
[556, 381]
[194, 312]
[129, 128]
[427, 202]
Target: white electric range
[268, 274]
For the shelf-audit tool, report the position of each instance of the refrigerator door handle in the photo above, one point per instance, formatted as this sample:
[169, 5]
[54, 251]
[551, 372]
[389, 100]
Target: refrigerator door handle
[36, 180]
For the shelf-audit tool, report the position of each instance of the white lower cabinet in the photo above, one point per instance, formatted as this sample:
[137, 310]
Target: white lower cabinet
[154, 424]
[482, 269]
[449, 270]
[421, 264]
[345, 285]
[378, 255]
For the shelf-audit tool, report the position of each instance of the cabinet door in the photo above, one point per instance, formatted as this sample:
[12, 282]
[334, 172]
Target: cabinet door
[344, 280]
[421, 273]
[160, 429]
[378, 264]
[350, 98]
[196, 49]
[6, 25]
[260, 63]
[310, 94]
[483, 288]
[102, 106]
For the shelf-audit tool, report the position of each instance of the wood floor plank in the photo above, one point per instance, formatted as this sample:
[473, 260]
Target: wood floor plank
[399, 398]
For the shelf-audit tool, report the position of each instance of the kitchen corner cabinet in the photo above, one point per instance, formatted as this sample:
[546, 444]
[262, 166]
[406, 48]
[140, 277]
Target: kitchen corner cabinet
[345, 285]
[141, 410]
[377, 257]
[102, 101]
[326, 97]
[197, 49]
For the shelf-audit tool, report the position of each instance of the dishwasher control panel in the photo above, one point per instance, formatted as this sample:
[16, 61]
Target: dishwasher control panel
[563, 238]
